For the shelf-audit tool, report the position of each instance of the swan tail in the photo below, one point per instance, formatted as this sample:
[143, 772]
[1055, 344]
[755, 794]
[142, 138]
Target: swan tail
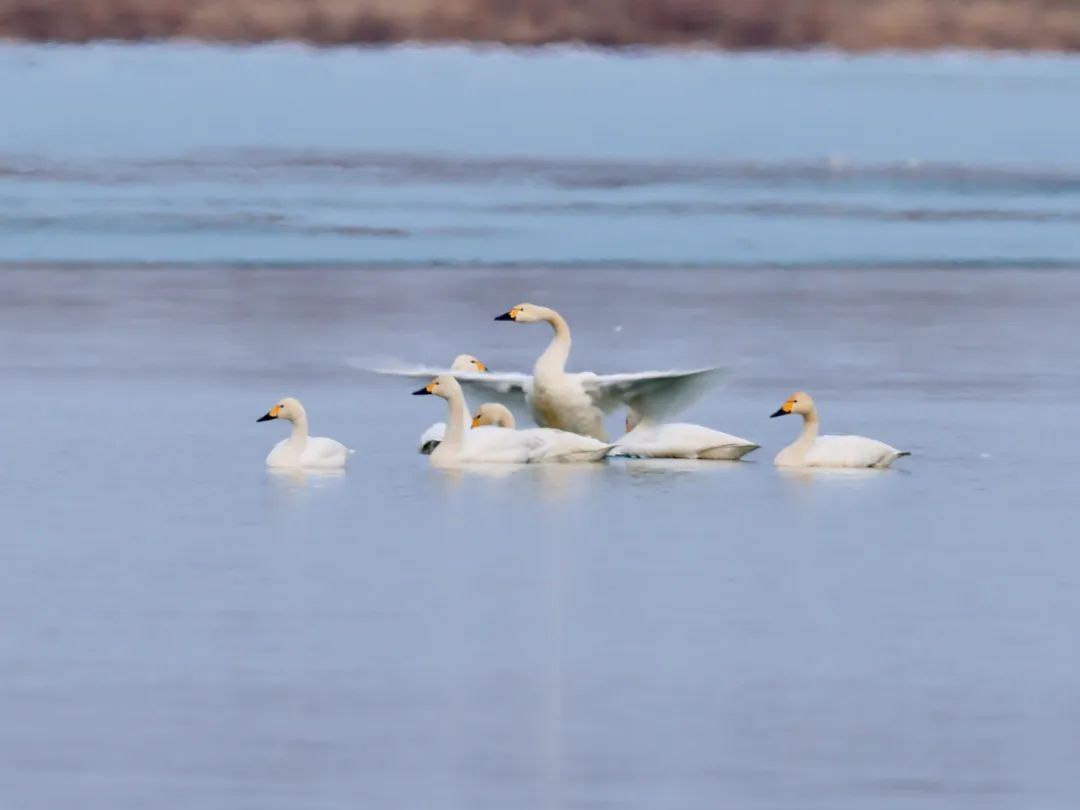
[889, 459]
[728, 452]
[592, 454]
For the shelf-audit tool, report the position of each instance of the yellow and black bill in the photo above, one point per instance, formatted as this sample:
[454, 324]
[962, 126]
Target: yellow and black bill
[783, 410]
[270, 414]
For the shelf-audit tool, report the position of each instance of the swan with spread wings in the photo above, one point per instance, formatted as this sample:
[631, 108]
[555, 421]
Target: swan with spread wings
[578, 402]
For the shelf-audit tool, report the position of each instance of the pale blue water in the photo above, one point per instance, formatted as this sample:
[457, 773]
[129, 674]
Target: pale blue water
[183, 629]
[415, 155]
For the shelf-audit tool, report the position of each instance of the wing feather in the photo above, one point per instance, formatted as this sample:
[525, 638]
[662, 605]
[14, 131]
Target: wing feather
[655, 395]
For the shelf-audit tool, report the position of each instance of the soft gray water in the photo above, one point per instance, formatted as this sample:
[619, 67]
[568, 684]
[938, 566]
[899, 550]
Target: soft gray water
[184, 629]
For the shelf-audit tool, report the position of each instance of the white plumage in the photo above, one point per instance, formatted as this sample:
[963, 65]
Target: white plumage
[678, 440]
[813, 450]
[500, 445]
[300, 450]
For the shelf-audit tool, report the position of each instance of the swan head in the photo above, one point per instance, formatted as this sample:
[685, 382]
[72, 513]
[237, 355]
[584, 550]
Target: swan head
[493, 413]
[799, 402]
[288, 408]
[442, 386]
[524, 313]
[466, 362]
[633, 419]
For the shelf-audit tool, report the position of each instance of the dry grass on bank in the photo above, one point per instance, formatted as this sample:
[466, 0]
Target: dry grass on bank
[856, 25]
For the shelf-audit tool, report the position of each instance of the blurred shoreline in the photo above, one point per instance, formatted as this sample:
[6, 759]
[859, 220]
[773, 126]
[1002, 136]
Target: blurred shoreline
[849, 25]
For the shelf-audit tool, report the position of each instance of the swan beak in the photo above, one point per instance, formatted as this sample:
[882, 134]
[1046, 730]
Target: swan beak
[481, 367]
[508, 316]
[476, 421]
[783, 410]
[270, 414]
[425, 390]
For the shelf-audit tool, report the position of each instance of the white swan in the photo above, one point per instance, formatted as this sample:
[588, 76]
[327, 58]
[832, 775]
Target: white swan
[431, 437]
[578, 402]
[301, 450]
[490, 444]
[645, 439]
[575, 402]
[562, 445]
[812, 450]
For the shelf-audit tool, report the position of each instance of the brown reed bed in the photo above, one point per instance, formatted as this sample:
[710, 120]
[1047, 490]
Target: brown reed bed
[853, 25]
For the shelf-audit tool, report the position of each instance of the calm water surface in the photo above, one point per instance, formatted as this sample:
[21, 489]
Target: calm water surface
[188, 234]
[418, 155]
[186, 629]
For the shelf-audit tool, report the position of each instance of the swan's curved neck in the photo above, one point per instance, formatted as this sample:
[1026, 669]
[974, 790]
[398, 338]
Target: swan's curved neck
[457, 419]
[299, 436]
[809, 432]
[558, 351]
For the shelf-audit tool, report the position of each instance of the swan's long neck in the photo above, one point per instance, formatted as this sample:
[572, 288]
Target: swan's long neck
[299, 436]
[457, 419]
[809, 432]
[558, 351]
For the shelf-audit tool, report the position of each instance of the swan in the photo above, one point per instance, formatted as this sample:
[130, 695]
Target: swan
[563, 446]
[812, 450]
[490, 444]
[578, 402]
[574, 402]
[301, 450]
[644, 439]
[431, 437]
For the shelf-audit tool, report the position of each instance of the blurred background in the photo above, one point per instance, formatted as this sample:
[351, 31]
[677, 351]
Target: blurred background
[740, 24]
[207, 206]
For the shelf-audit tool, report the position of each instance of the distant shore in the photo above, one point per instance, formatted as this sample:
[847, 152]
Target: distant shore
[850, 25]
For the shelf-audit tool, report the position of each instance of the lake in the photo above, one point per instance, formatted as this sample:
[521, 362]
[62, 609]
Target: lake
[189, 234]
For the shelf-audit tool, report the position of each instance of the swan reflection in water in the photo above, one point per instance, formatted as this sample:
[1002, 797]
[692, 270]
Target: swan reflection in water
[299, 479]
[552, 482]
[806, 477]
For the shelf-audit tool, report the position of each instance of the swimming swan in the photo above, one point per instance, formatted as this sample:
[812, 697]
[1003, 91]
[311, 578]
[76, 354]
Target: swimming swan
[489, 444]
[578, 402]
[563, 446]
[431, 437]
[812, 450]
[301, 450]
[645, 439]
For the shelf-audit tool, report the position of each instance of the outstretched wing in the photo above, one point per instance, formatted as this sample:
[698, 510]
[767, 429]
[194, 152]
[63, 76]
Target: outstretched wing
[508, 387]
[655, 395]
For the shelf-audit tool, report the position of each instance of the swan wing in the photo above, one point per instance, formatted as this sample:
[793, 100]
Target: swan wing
[501, 446]
[507, 387]
[431, 437]
[678, 440]
[850, 451]
[323, 452]
[561, 445]
[655, 395]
